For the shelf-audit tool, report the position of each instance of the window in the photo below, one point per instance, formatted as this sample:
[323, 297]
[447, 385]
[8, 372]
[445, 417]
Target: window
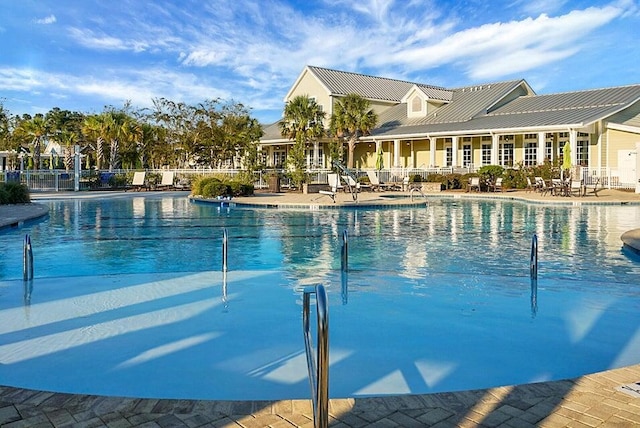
[467, 155]
[448, 156]
[506, 154]
[530, 154]
[486, 154]
[530, 149]
[279, 158]
[416, 104]
[582, 153]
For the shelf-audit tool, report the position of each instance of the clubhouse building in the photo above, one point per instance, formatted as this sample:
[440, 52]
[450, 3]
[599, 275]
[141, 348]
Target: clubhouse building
[425, 127]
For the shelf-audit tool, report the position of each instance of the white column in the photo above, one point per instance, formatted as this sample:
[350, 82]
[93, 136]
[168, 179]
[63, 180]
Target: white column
[542, 147]
[396, 153]
[412, 161]
[495, 147]
[432, 151]
[315, 162]
[573, 141]
[454, 152]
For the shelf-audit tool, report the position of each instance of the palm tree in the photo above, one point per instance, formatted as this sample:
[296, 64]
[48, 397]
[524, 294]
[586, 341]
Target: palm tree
[68, 139]
[352, 118]
[95, 128]
[303, 122]
[37, 129]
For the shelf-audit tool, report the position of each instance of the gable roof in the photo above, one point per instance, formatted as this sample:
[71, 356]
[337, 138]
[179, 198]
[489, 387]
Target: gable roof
[559, 111]
[341, 83]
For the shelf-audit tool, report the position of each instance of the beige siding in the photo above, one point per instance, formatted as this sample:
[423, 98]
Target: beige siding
[620, 140]
[310, 86]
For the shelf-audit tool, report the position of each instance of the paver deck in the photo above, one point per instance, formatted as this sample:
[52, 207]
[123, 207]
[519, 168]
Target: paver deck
[594, 400]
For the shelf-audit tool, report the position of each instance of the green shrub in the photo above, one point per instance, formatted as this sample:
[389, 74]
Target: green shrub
[14, 193]
[118, 181]
[415, 178]
[214, 188]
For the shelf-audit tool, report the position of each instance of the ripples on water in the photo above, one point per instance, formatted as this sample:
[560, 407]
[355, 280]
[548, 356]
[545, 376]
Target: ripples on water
[86, 237]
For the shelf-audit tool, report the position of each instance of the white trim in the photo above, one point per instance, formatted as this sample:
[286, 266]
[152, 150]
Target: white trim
[625, 128]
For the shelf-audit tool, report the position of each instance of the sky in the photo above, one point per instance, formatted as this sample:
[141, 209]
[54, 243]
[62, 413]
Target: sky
[83, 55]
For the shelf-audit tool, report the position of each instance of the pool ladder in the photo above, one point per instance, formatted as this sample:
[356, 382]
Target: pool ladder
[317, 365]
[27, 259]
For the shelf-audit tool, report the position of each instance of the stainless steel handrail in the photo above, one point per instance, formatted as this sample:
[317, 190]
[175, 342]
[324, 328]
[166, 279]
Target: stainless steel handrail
[318, 366]
[27, 259]
[225, 249]
[344, 263]
[533, 266]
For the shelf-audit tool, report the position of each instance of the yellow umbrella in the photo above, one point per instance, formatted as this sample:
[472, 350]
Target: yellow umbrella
[566, 157]
[379, 160]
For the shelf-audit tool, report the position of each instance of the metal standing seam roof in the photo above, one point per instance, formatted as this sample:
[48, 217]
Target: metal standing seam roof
[371, 87]
[471, 108]
[526, 112]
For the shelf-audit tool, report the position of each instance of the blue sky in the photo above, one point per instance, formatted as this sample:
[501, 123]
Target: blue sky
[84, 54]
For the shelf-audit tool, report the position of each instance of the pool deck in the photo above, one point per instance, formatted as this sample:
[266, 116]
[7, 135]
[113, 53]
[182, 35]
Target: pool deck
[595, 400]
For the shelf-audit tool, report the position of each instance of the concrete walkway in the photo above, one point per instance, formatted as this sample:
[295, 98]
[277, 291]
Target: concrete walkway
[596, 400]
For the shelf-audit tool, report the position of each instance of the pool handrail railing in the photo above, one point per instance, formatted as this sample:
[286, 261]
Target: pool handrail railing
[317, 366]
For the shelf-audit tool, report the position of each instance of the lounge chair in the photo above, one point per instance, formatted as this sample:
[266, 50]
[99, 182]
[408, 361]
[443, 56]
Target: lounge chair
[530, 186]
[351, 182]
[376, 184]
[139, 180]
[334, 182]
[474, 184]
[167, 181]
[334, 186]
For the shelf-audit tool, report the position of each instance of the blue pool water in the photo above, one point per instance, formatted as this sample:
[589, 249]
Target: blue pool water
[129, 298]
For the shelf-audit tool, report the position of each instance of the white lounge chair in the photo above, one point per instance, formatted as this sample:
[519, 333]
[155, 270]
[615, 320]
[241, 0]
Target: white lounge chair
[168, 178]
[138, 181]
[376, 184]
[334, 182]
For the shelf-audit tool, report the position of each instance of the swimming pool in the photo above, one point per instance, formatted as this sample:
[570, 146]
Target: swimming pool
[129, 300]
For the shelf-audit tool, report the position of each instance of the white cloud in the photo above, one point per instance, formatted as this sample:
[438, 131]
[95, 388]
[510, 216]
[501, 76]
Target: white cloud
[500, 49]
[51, 19]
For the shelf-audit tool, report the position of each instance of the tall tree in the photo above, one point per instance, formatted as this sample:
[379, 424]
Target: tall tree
[303, 122]
[37, 129]
[95, 129]
[352, 118]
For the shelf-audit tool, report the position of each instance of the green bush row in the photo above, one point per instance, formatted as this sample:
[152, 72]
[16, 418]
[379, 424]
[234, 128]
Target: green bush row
[212, 187]
[14, 193]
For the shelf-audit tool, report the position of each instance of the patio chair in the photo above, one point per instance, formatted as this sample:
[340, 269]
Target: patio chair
[474, 183]
[497, 185]
[139, 180]
[167, 181]
[577, 186]
[539, 181]
[593, 186]
[544, 188]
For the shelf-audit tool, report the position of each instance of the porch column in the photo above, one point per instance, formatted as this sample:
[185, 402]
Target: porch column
[412, 162]
[495, 147]
[432, 151]
[315, 162]
[454, 152]
[396, 153]
[573, 142]
[542, 147]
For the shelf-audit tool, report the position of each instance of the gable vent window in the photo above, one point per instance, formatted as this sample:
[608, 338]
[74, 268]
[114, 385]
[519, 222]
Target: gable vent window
[416, 105]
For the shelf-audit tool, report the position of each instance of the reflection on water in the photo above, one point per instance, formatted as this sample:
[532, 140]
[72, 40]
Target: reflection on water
[170, 234]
